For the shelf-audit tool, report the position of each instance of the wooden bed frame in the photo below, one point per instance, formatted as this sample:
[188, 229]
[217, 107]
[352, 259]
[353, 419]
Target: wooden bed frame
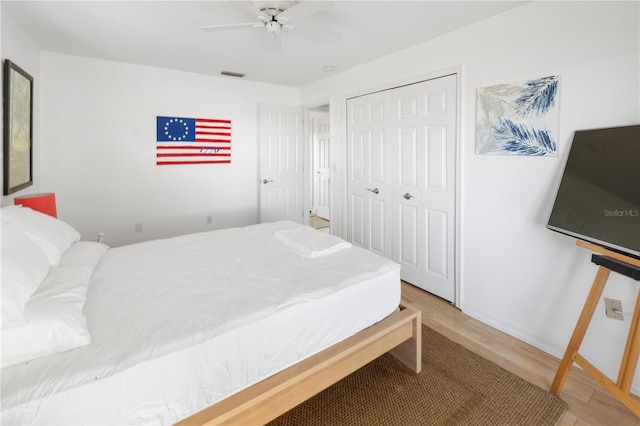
[400, 334]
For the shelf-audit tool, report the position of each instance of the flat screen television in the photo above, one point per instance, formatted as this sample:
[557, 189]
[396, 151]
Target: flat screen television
[599, 196]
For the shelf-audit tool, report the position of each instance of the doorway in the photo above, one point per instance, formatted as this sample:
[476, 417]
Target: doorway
[295, 165]
[319, 142]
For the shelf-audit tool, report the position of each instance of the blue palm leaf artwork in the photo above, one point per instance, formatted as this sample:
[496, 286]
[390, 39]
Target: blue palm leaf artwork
[517, 138]
[518, 118]
[537, 96]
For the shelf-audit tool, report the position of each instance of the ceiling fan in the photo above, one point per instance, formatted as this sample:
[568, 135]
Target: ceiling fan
[276, 17]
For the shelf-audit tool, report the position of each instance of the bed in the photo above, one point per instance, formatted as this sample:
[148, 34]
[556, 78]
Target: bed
[235, 325]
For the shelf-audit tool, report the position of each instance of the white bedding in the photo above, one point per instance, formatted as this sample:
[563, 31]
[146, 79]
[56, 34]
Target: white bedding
[179, 324]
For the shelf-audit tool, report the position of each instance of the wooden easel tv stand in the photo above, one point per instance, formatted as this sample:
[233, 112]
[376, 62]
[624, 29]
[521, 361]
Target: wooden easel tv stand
[608, 261]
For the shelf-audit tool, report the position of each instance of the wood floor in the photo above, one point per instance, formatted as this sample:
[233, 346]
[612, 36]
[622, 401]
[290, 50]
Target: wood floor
[317, 222]
[589, 403]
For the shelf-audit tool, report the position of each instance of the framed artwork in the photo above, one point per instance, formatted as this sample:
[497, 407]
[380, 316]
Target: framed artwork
[18, 128]
[519, 118]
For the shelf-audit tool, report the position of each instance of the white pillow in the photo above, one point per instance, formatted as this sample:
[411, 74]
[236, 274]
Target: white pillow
[52, 235]
[83, 253]
[24, 267]
[55, 321]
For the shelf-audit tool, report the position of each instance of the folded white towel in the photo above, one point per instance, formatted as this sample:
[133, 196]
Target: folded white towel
[310, 242]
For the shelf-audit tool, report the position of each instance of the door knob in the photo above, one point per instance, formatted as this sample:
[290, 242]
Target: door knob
[408, 196]
[266, 181]
[374, 190]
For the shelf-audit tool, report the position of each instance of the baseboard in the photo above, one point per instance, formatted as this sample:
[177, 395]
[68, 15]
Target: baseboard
[529, 336]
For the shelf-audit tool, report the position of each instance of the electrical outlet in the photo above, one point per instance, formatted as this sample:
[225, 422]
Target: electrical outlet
[138, 227]
[614, 308]
[209, 220]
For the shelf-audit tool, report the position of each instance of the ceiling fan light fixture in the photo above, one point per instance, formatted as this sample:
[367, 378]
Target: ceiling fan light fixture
[232, 74]
[273, 27]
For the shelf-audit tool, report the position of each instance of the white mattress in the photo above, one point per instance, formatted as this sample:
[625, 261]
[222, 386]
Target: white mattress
[179, 324]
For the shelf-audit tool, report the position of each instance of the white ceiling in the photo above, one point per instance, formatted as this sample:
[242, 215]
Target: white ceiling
[165, 33]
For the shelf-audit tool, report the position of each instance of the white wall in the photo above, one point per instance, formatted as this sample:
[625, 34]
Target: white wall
[16, 46]
[515, 274]
[98, 137]
[94, 143]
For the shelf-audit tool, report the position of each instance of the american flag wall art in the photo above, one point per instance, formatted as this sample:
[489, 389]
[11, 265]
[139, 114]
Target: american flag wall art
[192, 141]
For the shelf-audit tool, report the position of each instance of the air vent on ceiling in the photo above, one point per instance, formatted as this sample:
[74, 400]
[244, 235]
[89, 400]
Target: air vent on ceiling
[232, 74]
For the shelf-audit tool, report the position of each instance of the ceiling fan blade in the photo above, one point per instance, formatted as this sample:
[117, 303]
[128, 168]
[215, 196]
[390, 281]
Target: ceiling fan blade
[231, 26]
[274, 42]
[303, 10]
[317, 34]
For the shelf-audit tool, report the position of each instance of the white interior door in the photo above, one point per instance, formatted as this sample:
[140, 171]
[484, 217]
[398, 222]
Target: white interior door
[321, 173]
[402, 141]
[424, 121]
[369, 189]
[281, 163]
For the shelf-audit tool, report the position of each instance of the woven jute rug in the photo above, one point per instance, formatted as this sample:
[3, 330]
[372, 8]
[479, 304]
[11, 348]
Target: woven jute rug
[455, 387]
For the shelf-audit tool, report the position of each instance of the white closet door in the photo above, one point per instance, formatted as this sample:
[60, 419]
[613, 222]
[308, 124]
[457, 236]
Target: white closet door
[402, 141]
[424, 120]
[407, 135]
[369, 194]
